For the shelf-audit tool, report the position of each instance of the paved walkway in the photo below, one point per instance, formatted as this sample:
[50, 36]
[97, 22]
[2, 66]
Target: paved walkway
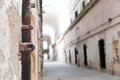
[63, 71]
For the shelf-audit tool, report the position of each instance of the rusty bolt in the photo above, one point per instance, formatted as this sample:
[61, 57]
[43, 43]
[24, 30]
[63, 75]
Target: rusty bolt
[110, 19]
[33, 5]
[26, 47]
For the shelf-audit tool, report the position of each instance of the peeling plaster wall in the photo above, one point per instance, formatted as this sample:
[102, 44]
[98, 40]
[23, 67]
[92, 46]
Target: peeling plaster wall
[36, 59]
[10, 33]
[102, 21]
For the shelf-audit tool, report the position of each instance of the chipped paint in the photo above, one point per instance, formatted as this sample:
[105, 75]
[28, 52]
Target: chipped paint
[116, 58]
[33, 20]
[119, 34]
[115, 43]
[33, 66]
[33, 54]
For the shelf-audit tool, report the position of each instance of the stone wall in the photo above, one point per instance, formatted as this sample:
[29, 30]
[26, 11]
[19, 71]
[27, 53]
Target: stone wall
[10, 33]
[102, 21]
[36, 39]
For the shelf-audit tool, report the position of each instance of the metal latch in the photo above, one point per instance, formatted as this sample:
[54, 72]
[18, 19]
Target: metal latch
[26, 47]
[29, 27]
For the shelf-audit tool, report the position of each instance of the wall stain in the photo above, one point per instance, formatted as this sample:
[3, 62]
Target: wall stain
[119, 34]
[116, 58]
[33, 20]
[115, 43]
[33, 55]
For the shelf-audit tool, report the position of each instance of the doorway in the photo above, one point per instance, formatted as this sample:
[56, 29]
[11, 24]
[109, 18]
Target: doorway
[76, 55]
[102, 54]
[69, 56]
[85, 55]
[65, 57]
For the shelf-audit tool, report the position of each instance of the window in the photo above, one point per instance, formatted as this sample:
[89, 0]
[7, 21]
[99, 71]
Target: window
[83, 4]
[76, 14]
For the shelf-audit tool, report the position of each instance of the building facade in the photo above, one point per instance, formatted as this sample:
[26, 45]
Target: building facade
[92, 40]
[21, 39]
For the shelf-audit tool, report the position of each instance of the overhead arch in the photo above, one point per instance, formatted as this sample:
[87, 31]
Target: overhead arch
[55, 20]
[49, 31]
[47, 38]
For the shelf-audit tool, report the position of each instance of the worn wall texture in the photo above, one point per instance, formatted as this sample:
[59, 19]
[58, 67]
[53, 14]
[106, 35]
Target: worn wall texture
[59, 55]
[102, 21]
[36, 39]
[10, 33]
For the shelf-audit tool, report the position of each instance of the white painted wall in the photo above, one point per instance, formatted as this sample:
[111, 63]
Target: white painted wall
[10, 33]
[93, 26]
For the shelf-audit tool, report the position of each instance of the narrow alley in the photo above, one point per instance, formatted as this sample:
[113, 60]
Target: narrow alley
[59, 39]
[62, 71]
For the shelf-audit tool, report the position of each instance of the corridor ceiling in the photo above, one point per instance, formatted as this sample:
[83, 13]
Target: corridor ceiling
[55, 18]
